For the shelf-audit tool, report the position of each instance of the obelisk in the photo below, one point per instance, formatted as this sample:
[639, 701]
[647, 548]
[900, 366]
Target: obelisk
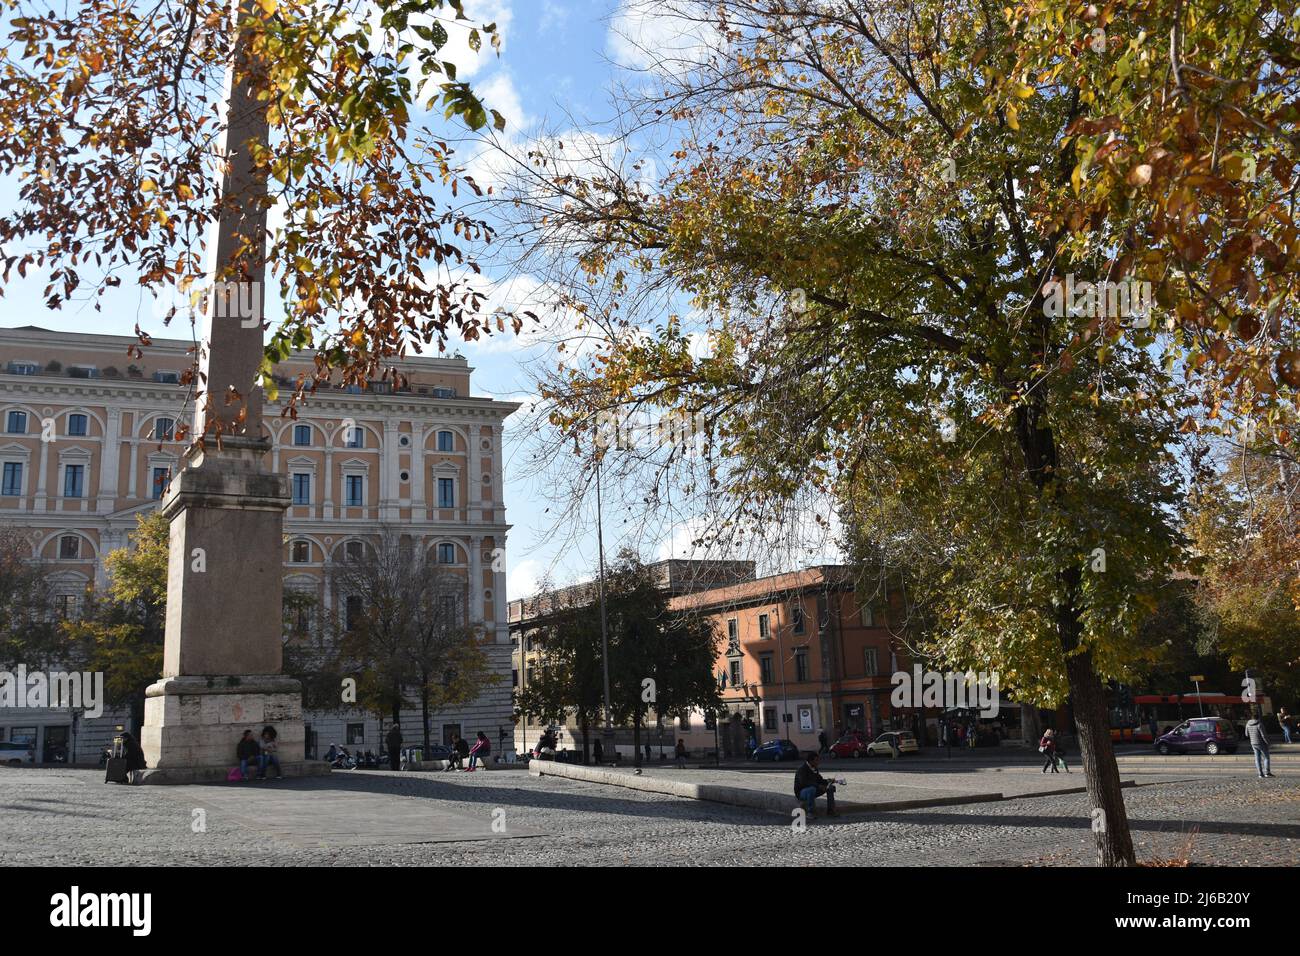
[222, 651]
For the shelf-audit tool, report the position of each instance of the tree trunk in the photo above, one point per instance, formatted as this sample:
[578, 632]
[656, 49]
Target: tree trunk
[1101, 773]
[584, 727]
[636, 740]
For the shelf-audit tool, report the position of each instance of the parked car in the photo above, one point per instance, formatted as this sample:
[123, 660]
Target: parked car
[850, 745]
[883, 746]
[15, 755]
[776, 750]
[1209, 735]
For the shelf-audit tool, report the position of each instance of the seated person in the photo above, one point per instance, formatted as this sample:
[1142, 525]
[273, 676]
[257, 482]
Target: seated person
[809, 785]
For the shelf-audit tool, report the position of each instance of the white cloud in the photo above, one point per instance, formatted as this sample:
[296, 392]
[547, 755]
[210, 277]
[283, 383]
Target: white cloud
[661, 36]
[522, 579]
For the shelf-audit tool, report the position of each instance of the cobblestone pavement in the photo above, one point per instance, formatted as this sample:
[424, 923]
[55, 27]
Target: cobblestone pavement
[69, 817]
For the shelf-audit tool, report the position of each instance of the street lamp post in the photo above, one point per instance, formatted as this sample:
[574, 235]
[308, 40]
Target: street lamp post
[608, 734]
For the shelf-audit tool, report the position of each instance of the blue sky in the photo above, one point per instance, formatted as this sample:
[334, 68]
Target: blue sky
[557, 63]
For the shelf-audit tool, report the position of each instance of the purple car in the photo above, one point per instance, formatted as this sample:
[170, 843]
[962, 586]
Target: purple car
[1210, 735]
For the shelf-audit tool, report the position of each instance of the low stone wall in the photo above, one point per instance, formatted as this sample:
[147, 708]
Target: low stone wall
[735, 796]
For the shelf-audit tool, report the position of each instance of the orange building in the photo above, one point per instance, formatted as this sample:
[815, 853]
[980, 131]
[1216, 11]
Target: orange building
[801, 655]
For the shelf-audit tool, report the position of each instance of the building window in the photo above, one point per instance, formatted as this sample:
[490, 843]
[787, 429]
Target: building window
[446, 554]
[684, 723]
[354, 550]
[733, 637]
[66, 606]
[446, 442]
[872, 661]
[77, 424]
[352, 612]
[514, 677]
[83, 371]
[74, 481]
[796, 618]
[765, 668]
[355, 494]
[167, 378]
[801, 664]
[164, 429]
[300, 553]
[354, 437]
[13, 478]
[446, 493]
[302, 435]
[22, 368]
[16, 423]
[764, 628]
[769, 718]
[161, 479]
[356, 734]
[450, 608]
[444, 393]
[301, 488]
[736, 673]
[70, 547]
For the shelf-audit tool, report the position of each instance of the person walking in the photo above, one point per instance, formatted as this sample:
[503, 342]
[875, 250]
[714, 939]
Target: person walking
[247, 752]
[394, 741]
[481, 750]
[822, 743]
[681, 753]
[1059, 743]
[1047, 747]
[809, 785]
[598, 752]
[1284, 721]
[1259, 744]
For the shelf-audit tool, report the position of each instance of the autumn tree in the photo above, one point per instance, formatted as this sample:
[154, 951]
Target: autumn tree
[843, 269]
[1181, 153]
[122, 631]
[1246, 530]
[402, 631]
[29, 633]
[116, 125]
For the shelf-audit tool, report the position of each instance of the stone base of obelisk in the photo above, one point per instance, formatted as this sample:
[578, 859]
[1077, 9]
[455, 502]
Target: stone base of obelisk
[222, 647]
[192, 726]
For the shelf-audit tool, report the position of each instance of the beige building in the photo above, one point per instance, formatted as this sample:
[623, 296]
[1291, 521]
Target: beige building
[87, 443]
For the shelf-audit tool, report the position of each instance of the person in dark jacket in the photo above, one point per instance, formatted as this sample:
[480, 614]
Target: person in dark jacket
[598, 752]
[246, 752]
[394, 741]
[1259, 744]
[681, 752]
[809, 785]
[134, 755]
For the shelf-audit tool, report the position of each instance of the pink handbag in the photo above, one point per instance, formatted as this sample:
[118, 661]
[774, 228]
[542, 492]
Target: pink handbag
[235, 776]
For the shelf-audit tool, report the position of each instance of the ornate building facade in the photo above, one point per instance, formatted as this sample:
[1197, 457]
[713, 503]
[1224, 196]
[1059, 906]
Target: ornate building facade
[88, 443]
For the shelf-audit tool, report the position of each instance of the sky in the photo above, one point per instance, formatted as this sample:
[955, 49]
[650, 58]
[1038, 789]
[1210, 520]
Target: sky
[557, 64]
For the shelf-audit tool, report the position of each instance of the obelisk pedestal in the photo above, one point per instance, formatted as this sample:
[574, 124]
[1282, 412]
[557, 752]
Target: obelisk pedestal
[222, 652]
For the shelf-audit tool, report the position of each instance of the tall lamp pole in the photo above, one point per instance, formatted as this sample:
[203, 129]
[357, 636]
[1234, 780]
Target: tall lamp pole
[604, 623]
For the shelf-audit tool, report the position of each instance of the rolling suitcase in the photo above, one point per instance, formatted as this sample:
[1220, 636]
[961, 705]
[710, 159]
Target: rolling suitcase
[115, 770]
